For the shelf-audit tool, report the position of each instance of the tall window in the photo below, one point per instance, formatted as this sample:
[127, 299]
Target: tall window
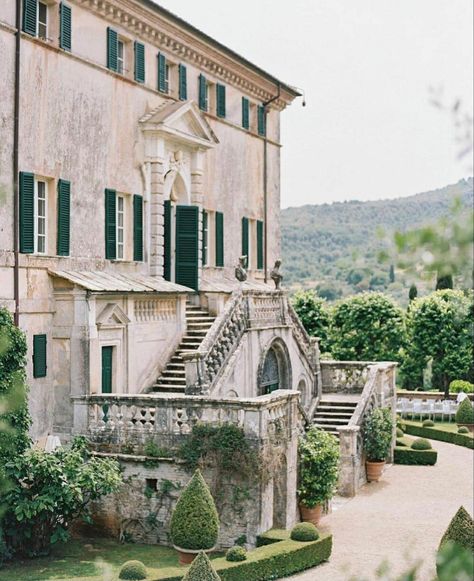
[42, 20]
[120, 57]
[120, 227]
[41, 217]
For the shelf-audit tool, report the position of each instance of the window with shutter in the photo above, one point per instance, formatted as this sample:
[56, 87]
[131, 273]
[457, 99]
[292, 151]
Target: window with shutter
[110, 224]
[64, 210]
[205, 221]
[245, 240]
[139, 62]
[39, 356]
[112, 49]
[27, 212]
[245, 113]
[187, 243]
[259, 244]
[30, 16]
[219, 239]
[261, 120]
[65, 28]
[220, 98]
[202, 93]
[163, 74]
[137, 228]
[183, 83]
[167, 240]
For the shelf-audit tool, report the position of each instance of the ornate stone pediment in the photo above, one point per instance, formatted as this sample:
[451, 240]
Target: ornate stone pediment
[112, 316]
[183, 122]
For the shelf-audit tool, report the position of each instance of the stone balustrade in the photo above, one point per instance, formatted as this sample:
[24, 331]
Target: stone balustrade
[348, 377]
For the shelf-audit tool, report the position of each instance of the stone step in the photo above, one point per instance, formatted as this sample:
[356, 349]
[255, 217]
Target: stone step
[163, 387]
[175, 366]
[176, 382]
[332, 421]
[342, 416]
[338, 403]
[200, 318]
[339, 408]
[332, 428]
[178, 373]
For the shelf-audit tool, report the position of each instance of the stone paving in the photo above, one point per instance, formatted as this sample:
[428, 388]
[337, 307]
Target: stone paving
[400, 519]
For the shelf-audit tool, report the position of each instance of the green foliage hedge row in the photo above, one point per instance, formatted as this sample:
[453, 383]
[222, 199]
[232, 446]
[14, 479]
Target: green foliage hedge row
[441, 435]
[465, 412]
[411, 457]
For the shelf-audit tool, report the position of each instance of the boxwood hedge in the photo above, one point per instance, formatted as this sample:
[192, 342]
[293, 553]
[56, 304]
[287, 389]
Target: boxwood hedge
[441, 435]
[405, 455]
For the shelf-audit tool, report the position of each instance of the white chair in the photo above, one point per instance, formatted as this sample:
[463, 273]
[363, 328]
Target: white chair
[446, 409]
[437, 409]
[409, 408]
[453, 408]
[426, 409]
[417, 407]
[401, 405]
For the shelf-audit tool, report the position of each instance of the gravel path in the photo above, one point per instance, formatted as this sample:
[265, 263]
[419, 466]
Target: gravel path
[400, 519]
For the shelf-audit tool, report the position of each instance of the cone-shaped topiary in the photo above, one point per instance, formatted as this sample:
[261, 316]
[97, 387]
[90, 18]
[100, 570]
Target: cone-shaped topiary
[236, 554]
[304, 531]
[465, 412]
[463, 430]
[133, 570]
[195, 522]
[201, 570]
[421, 444]
[460, 530]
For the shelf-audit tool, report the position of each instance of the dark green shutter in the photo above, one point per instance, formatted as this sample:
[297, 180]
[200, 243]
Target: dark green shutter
[139, 62]
[183, 83]
[107, 357]
[30, 16]
[219, 239]
[202, 93]
[245, 240]
[27, 212]
[261, 120]
[220, 98]
[167, 241]
[110, 224]
[65, 29]
[204, 236]
[187, 243]
[162, 84]
[137, 228]
[64, 211]
[259, 244]
[112, 49]
[245, 113]
[39, 356]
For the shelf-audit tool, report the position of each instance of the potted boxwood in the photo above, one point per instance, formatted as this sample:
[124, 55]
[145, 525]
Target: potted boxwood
[194, 523]
[318, 472]
[465, 415]
[378, 435]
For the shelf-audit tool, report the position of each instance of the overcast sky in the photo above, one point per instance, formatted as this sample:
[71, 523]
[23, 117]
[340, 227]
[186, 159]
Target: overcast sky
[368, 130]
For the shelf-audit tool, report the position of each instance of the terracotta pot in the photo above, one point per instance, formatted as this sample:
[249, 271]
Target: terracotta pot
[187, 556]
[312, 515]
[374, 470]
[469, 426]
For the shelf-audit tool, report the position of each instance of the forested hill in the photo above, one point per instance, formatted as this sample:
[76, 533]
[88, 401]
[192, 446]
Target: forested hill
[334, 247]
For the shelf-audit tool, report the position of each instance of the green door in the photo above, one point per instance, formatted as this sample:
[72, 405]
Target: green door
[106, 375]
[187, 246]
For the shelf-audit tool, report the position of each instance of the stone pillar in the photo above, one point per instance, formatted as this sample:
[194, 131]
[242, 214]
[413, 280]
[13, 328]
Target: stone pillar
[157, 218]
[350, 462]
[197, 198]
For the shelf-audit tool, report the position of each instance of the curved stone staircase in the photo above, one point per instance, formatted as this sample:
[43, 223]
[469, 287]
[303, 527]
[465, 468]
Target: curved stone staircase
[334, 411]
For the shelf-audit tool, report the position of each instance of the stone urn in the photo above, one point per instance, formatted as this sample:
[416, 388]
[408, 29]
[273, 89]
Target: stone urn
[374, 470]
[312, 515]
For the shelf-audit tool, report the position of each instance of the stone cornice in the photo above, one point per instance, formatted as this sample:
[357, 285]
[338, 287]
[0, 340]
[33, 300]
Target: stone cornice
[152, 26]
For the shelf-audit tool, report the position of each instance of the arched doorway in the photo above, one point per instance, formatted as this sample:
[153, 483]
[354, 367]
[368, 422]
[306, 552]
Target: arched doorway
[275, 369]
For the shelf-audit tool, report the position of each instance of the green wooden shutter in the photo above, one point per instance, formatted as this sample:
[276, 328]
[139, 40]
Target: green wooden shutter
[112, 49]
[39, 356]
[162, 84]
[245, 113]
[64, 211]
[30, 16]
[139, 62]
[259, 244]
[65, 28]
[183, 83]
[110, 224]
[220, 99]
[245, 240]
[167, 241]
[261, 120]
[202, 93]
[137, 228]
[187, 243]
[219, 239]
[27, 212]
[205, 217]
[107, 357]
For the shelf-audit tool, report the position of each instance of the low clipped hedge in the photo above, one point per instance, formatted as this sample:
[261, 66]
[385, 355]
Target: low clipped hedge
[441, 435]
[408, 456]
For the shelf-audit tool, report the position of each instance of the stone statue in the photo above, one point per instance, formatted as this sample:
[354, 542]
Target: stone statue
[275, 275]
[240, 271]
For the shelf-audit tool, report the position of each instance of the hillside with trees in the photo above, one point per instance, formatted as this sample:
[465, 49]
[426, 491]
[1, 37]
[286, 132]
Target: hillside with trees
[334, 248]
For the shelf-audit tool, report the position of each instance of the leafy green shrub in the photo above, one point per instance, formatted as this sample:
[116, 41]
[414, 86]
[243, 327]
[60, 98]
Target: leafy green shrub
[304, 532]
[314, 315]
[458, 385]
[400, 433]
[463, 430]
[195, 522]
[201, 570]
[48, 490]
[442, 435]
[421, 444]
[453, 562]
[460, 530]
[410, 457]
[428, 423]
[134, 570]
[465, 412]
[378, 430]
[318, 467]
[237, 553]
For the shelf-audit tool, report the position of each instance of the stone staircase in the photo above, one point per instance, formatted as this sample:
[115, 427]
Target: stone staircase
[334, 411]
[173, 377]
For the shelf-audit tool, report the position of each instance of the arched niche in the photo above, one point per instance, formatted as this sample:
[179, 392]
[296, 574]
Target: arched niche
[275, 368]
